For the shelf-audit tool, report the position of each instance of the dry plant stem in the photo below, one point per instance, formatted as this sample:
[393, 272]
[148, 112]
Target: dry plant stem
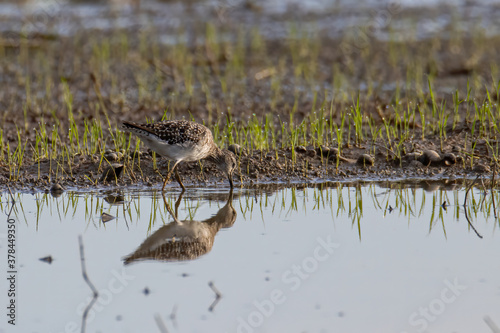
[465, 208]
[491, 324]
[11, 196]
[13, 204]
[173, 316]
[485, 193]
[161, 325]
[90, 284]
[492, 194]
[218, 296]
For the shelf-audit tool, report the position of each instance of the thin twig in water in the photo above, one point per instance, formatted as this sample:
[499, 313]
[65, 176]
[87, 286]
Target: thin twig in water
[161, 325]
[491, 324]
[218, 296]
[173, 316]
[90, 284]
[215, 290]
[125, 213]
[465, 208]
[485, 193]
[493, 194]
[11, 196]
[13, 204]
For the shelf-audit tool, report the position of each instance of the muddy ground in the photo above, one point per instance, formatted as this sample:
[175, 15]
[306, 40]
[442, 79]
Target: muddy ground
[305, 165]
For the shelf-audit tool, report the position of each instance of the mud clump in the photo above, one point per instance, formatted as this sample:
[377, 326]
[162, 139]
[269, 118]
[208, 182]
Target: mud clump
[431, 157]
[236, 149]
[56, 190]
[365, 160]
[112, 173]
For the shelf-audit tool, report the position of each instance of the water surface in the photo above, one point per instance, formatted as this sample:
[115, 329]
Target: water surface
[173, 20]
[334, 258]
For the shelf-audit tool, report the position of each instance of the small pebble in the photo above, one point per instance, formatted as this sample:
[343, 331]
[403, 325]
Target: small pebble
[323, 151]
[311, 152]
[236, 149]
[429, 157]
[135, 154]
[105, 217]
[334, 154]
[111, 156]
[111, 173]
[449, 159]
[481, 168]
[365, 160]
[301, 149]
[56, 190]
[114, 199]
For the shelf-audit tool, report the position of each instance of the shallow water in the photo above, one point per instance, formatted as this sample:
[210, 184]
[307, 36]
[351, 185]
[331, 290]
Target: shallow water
[385, 19]
[336, 259]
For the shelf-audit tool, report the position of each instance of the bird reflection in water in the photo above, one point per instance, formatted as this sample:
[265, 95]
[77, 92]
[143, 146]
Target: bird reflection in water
[184, 240]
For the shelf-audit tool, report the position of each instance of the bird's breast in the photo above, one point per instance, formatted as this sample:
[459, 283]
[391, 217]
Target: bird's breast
[186, 151]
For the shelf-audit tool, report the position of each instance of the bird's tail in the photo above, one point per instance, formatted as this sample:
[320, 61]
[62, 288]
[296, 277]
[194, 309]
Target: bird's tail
[136, 129]
[129, 126]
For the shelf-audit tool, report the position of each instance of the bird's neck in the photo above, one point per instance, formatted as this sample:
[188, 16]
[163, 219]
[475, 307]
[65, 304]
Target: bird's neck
[215, 154]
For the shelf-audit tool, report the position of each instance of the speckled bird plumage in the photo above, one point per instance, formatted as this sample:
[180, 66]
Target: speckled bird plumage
[177, 140]
[181, 140]
[178, 131]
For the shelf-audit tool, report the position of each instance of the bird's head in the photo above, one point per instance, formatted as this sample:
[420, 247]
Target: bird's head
[228, 165]
[225, 161]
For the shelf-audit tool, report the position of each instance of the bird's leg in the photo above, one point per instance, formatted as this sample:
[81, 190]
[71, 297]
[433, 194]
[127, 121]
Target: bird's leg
[169, 209]
[178, 203]
[230, 197]
[169, 175]
[179, 180]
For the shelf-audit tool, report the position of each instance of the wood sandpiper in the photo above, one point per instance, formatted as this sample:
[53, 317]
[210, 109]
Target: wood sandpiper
[181, 140]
